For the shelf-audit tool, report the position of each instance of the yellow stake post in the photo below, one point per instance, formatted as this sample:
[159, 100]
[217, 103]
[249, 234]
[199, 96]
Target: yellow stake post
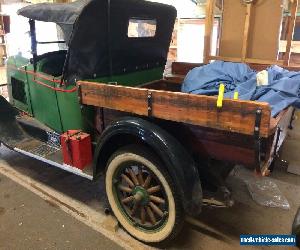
[221, 95]
[236, 95]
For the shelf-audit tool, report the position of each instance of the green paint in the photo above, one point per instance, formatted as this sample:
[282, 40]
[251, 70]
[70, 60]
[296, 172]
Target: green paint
[44, 103]
[133, 79]
[19, 62]
[143, 193]
[61, 111]
[72, 115]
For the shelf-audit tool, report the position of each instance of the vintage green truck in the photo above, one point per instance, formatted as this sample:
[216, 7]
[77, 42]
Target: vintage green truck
[157, 147]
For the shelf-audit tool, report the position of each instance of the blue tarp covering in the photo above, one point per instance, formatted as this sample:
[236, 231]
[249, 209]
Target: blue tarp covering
[283, 87]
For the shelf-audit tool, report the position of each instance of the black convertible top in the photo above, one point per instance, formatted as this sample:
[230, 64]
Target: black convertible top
[99, 44]
[63, 14]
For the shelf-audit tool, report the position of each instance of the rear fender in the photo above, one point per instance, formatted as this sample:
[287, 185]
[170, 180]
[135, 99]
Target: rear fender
[178, 162]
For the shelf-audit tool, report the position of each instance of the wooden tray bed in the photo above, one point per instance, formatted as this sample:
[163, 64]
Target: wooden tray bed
[239, 132]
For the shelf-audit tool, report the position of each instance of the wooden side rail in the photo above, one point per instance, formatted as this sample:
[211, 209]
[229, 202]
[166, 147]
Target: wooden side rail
[235, 115]
[180, 69]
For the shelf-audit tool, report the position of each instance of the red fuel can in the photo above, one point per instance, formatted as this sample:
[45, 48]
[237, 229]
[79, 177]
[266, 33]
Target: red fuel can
[76, 148]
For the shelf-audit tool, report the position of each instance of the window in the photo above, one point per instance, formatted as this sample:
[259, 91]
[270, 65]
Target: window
[138, 28]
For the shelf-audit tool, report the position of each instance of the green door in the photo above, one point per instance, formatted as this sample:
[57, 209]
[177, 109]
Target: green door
[44, 100]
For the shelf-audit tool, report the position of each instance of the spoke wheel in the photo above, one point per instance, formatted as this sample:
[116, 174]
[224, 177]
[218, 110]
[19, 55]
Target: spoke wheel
[142, 196]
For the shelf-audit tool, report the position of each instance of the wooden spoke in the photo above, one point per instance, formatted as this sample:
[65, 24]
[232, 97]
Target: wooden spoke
[140, 177]
[153, 189]
[128, 199]
[140, 196]
[129, 182]
[125, 189]
[135, 206]
[157, 199]
[151, 215]
[156, 209]
[147, 181]
[143, 215]
[133, 177]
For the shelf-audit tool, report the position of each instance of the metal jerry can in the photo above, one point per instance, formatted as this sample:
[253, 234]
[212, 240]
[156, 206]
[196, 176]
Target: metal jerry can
[76, 148]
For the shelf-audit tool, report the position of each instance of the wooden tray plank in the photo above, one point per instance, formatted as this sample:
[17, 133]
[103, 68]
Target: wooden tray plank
[127, 99]
[235, 116]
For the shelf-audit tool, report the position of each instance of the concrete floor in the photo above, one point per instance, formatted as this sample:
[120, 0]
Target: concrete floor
[29, 222]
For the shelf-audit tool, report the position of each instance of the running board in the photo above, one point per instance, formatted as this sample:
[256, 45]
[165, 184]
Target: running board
[56, 164]
[23, 134]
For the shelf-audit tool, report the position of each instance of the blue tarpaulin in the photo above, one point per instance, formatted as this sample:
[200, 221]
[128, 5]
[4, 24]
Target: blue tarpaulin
[282, 90]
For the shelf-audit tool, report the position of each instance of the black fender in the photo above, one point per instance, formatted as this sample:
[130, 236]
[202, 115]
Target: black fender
[178, 162]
